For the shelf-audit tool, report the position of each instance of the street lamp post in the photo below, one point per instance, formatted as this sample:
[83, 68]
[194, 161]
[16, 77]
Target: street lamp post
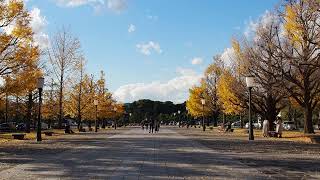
[203, 102]
[250, 84]
[115, 121]
[40, 84]
[95, 102]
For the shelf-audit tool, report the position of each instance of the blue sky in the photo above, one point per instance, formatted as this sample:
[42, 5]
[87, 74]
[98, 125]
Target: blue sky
[154, 58]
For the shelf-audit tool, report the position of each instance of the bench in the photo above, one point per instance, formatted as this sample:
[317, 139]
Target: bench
[272, 134]
[82, 130]
[48, 133]
[19, 136]
[230, 130]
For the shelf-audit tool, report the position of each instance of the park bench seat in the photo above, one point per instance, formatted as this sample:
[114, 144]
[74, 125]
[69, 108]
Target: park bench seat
[82, 130]
[230, 130]
[272, 134]
[48, 133]
[19, 136]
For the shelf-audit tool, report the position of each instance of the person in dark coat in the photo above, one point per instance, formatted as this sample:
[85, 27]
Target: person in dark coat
[151, 126]
[228, 127]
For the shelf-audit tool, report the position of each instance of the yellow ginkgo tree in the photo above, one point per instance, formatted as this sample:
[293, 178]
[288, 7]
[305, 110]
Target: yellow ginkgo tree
[226, 92]
[207, 91]
[19, 56]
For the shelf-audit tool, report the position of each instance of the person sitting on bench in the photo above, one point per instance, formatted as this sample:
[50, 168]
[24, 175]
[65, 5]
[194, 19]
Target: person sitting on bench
[68, 129]
[228, 127]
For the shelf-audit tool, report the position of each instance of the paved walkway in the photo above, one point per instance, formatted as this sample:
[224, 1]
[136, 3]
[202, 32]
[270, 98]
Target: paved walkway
[134, 154]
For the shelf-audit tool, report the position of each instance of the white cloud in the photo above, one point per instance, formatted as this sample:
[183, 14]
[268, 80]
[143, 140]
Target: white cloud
[250, 28]
[176, 89]
[131, 28]
[75, 3]
[117, 5]
[196, 61]
[38, 24]
[113, 5]
[228, 56]
[147, 48]
[264, 21]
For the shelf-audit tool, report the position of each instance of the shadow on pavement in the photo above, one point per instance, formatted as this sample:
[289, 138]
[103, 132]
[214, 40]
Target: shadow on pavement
[137, 154]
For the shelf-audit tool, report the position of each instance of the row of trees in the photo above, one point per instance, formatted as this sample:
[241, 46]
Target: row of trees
[148, 109]
[284, 57]
[69, 90]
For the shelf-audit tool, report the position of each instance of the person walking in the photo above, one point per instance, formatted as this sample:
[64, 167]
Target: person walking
[279, 127]
[151, 126]
[265, 128]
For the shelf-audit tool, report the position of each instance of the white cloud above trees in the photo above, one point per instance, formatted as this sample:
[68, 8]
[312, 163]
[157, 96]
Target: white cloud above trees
[113, 5]
[117, 5]
[264, 20]
[38, 24]
[149, 47]
[196, 61]
[175, 89]
[228, 56]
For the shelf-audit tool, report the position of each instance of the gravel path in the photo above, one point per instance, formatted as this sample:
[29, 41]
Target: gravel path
[132, 153]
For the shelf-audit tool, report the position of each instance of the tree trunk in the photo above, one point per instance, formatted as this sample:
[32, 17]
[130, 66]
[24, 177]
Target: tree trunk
[79, 123]
[271, 111]
[223, 119]
[29, 109]
[6, 110]
[295, 120]
[215, 119]
[103, 123]
[241, 121]
[308, 125]
[60, 103]
[17, 119]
